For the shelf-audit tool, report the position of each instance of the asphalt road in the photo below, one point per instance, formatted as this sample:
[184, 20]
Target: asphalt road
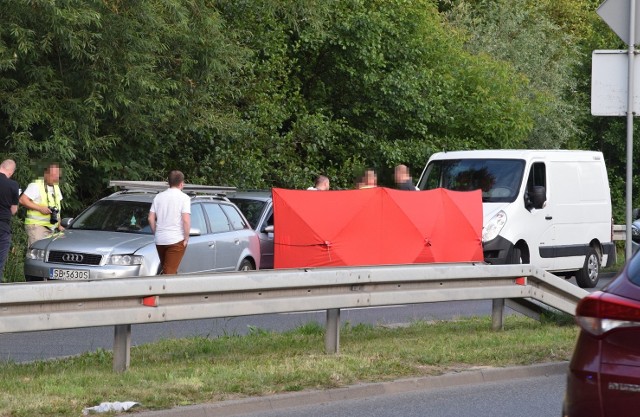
[527, 391]
[523, 397]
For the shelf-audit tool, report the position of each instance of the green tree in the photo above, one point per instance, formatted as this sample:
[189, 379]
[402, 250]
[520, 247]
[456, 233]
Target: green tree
[530, 35]
[607, 134]
[551, 43]
[355, 84]
[115, 89]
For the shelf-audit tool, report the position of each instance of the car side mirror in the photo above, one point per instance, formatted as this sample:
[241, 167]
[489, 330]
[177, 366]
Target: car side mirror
[538, 196]
[635, 213]
[194, 231]
[268, 229]
[66, 222]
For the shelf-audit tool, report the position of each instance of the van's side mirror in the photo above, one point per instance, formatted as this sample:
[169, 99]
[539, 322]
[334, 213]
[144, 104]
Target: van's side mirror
[538, 196]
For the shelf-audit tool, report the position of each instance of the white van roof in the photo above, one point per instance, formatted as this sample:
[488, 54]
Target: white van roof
[526, 154]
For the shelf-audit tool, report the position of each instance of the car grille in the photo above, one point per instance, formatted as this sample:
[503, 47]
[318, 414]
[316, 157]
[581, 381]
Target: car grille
[76, 258]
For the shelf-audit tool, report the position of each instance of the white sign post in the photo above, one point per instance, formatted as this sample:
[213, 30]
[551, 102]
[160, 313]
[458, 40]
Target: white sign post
[621, 16]
[609, 80]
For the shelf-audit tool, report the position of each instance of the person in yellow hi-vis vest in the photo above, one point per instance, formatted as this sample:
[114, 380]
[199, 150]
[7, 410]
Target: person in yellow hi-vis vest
[43, 199]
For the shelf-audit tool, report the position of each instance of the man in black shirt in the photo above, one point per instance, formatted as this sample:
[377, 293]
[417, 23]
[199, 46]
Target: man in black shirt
[403, 179]
[9, 194]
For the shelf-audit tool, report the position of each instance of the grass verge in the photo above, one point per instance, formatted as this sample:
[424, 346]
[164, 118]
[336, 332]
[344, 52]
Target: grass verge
[199, 370]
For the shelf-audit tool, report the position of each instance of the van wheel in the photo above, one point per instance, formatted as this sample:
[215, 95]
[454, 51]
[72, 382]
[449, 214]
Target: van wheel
[515, 257]
[246, 265]
[587, 277]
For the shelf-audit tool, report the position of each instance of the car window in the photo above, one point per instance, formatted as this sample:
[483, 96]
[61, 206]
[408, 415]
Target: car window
[270, 219]
[217, 219]
[237, 222]
[633, 270]
[197, 219]
[115, 216]
[252, 209]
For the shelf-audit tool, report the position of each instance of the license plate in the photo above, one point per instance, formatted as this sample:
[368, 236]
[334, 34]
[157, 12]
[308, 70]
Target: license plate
[68, 274]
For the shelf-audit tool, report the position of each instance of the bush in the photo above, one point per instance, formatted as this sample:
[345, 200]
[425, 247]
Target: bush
[14, 267]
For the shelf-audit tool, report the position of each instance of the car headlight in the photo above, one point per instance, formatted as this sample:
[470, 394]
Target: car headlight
[125, 260]
[493, 227]
[635, 232]
[35, 254]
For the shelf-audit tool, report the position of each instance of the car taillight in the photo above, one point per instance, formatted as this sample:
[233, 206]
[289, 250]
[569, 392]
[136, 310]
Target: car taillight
[601, 312]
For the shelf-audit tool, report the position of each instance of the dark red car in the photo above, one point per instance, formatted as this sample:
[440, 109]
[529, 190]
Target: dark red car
[604, 373]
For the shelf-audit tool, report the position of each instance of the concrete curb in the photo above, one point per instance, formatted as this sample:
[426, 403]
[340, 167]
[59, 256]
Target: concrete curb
[281, 401]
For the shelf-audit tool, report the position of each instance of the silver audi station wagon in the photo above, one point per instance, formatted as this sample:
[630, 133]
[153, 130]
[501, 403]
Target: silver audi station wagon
[257, 206]
[112, 237]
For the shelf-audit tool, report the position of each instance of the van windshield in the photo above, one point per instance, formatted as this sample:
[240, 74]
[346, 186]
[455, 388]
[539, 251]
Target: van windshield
[499, 179]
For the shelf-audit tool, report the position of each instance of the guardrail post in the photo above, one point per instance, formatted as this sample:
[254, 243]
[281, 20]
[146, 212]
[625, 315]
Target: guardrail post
[122, 347]
[332, 332]
[497, 314]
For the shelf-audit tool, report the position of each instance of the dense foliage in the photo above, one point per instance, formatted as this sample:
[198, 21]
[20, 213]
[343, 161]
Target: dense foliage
[114, 89]
[262, 93]
[245, 93]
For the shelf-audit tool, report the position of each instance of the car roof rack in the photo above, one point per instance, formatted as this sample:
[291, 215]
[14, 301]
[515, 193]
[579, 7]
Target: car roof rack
[157, 186]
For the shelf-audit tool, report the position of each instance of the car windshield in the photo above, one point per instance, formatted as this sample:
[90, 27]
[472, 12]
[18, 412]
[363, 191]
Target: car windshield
[499, 179]
[115, 216]
[252, 209]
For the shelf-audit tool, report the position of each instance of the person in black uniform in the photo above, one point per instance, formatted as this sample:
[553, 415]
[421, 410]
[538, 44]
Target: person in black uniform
[403, 179]
[9, 194]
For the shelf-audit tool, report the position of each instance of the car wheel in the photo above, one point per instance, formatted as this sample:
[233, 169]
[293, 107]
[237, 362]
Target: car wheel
[587, 277]
[246, 265]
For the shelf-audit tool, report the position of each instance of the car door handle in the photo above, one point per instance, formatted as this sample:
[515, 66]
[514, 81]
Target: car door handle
[212, 244]
[236, 242]
[548, 217]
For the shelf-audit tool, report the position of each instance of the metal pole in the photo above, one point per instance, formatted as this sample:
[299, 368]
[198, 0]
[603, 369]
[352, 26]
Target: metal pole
[332, 332]
[630, 115]
[122, 347]
[497, 314]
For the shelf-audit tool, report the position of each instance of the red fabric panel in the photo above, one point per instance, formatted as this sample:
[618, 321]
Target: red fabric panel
[376, 226]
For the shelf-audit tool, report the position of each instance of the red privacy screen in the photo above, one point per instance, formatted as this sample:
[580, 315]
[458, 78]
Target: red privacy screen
[376, 226]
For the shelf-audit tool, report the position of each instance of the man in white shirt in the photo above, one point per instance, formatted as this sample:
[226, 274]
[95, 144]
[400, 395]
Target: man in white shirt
[170, 221]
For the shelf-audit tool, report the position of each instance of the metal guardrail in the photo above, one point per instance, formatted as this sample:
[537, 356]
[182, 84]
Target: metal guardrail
[619, 232]
[29, 307]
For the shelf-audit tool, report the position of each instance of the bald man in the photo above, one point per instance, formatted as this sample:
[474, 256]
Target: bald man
[321, 184]
[9, 194]
[403, 179]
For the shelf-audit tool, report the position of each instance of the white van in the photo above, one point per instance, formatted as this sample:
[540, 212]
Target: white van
[550, 208]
